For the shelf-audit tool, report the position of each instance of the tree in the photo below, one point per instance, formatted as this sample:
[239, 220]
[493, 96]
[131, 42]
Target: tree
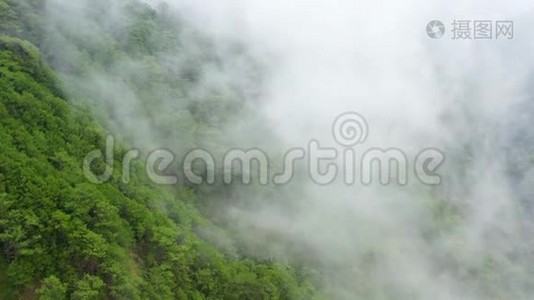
[90, 287]
[52, 289]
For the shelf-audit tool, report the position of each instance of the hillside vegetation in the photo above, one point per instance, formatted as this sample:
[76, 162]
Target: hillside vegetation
[63, 237]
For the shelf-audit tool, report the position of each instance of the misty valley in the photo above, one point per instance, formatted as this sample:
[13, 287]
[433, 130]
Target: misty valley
[232, 149]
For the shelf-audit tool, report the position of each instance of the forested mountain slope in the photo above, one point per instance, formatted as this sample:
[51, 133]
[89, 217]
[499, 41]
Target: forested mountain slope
[63, 237]
[273, 76]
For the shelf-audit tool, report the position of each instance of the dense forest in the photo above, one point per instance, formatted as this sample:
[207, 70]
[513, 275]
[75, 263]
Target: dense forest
[63, 237]
[169, 75]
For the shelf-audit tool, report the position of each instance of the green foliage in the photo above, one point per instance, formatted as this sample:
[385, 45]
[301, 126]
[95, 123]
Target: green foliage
[89, 287]
[7, 18]
[52, 289]
[111, 241]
